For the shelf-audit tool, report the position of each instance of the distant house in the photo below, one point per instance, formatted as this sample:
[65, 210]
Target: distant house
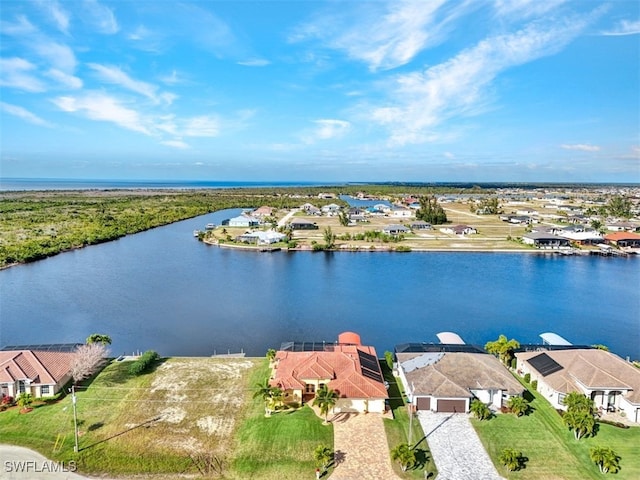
[331, 209]
[622, 227]
[262, 212]
[349, 368]
[611, 382]
[402, 213]
[41, 371]
[585, 237]
[310, 209]
[545, 240]
[302, 224]
[243, 221]
[623, 239]
[261, 238]
[394, 229]
[420, 225]
[448, 381]
[459, 230]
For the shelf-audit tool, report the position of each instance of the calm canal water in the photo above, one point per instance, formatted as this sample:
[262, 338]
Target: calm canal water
[164, 290]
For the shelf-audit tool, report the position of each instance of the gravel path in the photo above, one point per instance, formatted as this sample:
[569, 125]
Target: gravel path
[456, 448]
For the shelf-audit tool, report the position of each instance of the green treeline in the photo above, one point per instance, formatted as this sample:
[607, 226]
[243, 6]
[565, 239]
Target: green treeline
[35, 225]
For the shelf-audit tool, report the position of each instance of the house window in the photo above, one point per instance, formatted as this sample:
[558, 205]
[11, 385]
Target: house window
[44, 390]
[21, 387]
[561, 397]
[310, 388]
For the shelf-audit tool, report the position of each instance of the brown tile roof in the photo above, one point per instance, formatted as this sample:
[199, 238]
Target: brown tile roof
[341, 367]
[593, 368]
[455, 374]
[38, 367]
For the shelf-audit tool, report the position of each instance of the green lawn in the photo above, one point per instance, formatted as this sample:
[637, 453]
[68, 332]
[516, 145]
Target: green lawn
[551, 449]
[280, 446]
[179, 419]
[397, 430]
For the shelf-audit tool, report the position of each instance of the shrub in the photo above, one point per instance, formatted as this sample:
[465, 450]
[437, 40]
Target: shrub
[514, 363]
[403, 248]
[534, 385]
[7, 400]
[144, 363]
[388, 356]
[527, 377]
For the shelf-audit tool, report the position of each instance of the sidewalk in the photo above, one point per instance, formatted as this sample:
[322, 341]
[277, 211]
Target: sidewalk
[19, 463]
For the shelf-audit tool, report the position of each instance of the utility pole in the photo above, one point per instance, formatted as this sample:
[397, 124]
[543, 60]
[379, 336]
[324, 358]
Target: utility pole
[75, 417]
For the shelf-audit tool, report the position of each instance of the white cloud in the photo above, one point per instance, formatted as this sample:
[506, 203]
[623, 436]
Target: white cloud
[255, 62]
[326, 129]
[24, 114]
[100, 17]
[384, 39]
[58, 55]
[177, 143]
[17, 73]
[624, 27]
[525, 8]
[69, 81]
[582, 147]
[115, 75]
[102, 107]
[21, 27]
[58, 14]
[461, 86]
[202, 126]
[449, 155]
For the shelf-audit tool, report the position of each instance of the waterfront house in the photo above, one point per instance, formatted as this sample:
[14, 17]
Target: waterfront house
[402, 213]
[261, 238]
[243, 221]
[331, 209]
[623, 239]
[545, 240]
[302, 224]
[611, 382]
[349, 368]
[448, 377]
[40, 370]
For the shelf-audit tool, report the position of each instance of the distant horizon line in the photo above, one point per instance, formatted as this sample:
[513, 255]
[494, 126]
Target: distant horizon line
[307, 182]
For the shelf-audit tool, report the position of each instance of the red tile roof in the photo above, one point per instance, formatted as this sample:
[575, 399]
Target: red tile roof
[341, 366]
[622, 236]
[38, 367]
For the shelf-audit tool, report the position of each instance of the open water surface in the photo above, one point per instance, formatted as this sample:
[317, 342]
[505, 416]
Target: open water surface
[163, 290]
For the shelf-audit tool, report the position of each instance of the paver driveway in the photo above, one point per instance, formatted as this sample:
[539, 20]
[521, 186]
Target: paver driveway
[456, 448]
[360, 446]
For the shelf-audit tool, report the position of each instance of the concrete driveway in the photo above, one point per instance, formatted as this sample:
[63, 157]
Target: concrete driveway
[456, 448]
[18, 463]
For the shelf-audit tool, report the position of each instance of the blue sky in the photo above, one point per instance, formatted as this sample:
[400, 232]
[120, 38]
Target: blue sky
[503, 90]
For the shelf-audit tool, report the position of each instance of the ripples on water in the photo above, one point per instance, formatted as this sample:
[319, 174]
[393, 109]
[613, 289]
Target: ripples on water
[164, 290]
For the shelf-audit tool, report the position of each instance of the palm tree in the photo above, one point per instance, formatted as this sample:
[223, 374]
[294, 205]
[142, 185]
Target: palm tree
[503, 348]
[323, 456]
[510, 458]
[329, 238]
[25, 400]
[581, 422]
[403, 455]
[518, 405]
[270, 395]
[99, 338]
[480, 409]
[271, 354]
[326, 400]
[605, 458]
[576, 401]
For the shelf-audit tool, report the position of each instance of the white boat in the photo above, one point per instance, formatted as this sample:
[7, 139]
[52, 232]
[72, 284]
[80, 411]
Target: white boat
[196, 233]
[210, 226]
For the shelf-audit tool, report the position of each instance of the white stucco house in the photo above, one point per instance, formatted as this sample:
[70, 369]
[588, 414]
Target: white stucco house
[611, 382]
